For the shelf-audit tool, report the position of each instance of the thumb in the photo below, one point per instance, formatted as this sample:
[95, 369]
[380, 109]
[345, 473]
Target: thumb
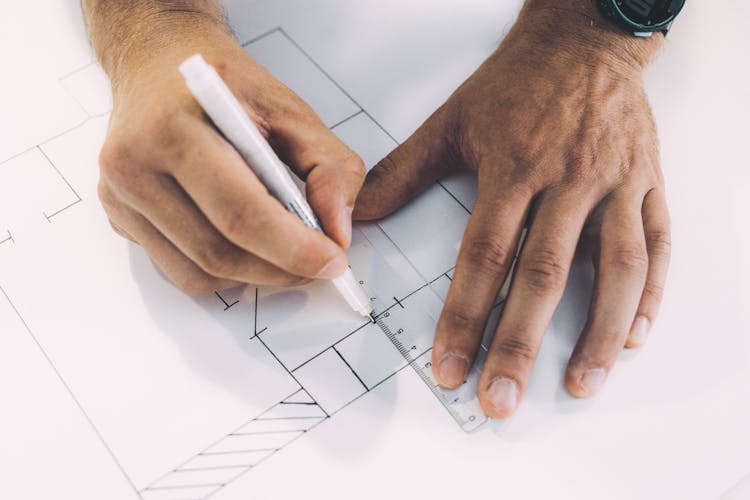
[333, 174]
[332, 187]
[406, 172]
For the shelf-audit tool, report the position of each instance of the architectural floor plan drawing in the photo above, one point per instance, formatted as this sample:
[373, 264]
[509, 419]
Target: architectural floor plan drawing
[116, 385]
[312, 362]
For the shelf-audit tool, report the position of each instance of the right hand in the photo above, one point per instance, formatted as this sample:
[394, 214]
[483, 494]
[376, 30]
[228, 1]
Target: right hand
[171, 183]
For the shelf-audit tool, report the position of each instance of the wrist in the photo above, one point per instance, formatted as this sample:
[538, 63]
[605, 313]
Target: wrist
[578, 28]
[146, 35]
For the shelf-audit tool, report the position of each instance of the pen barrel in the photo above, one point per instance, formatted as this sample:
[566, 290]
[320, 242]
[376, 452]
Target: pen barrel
[230, 117]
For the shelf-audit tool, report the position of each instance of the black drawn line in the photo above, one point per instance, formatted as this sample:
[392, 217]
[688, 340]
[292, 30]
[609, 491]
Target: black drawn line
[265, 419]
[235, 452]
[440, 183]
[205, 450]
[227, 305]
[78, 197]
[267, 456]
[351, 369]
[336, 343]
[337, 84]
[71, 73]
[254, 433]
[215, 467]
[337, 124]
[262, 35]
[175, 487]
[9, 238]
[69, 390]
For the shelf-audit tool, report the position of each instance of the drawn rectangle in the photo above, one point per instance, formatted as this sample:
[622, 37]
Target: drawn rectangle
[290, 65]
[30, 190]
[366, 138]
[440, 286]
[428, 231]
[49, 449]
[371, 354]
[330, 381]
[464, 187]
[322, 317]
[90, 87]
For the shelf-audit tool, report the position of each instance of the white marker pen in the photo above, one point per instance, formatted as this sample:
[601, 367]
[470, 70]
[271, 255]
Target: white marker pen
[230, 118]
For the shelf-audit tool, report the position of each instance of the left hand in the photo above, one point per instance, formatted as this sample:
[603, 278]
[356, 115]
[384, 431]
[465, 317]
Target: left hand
[558, 128]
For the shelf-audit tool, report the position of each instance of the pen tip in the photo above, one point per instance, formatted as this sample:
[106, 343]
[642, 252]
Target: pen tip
[372, 318]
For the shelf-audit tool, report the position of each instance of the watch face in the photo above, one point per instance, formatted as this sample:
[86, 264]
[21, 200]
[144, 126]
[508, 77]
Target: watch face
[650, 13]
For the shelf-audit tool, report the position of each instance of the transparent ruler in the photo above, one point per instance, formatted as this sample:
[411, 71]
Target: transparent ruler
[410, 326]
[461, 403]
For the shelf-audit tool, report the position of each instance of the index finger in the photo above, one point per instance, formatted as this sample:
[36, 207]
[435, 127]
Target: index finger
[235, 201]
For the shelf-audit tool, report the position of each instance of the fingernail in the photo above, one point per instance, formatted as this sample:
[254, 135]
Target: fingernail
[334, 268]
[639, 331]
[592, 380]
[346, 225]
[503, 395]
[453, 370]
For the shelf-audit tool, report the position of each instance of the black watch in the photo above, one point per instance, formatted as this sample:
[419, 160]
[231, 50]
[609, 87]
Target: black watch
[642, 17]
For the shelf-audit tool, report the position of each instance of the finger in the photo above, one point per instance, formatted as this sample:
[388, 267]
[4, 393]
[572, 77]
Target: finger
[333, 184]
[175, 216]
[486, 254]
[620, 277]
[656, 227]
[178, 268]
[117, 229]
[540, 279]
[235, 201]
[404, 173]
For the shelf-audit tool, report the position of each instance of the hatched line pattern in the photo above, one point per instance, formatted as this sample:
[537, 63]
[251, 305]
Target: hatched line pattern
[239, 451]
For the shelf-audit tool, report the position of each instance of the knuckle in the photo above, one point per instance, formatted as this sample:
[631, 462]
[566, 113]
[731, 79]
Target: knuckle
[350, 163]
[237, 224]
[106, 197]
[630, 257]
[116, 161]
[197, 283]
[659, 242]
[165, 130]
[489, 254]
[653, 289]
[119, 231]
[526, 153]
[581, 166]
[386, 169]
[544, 271]
[458, 321]
[218, 259]
[516, 346]
[291, 280]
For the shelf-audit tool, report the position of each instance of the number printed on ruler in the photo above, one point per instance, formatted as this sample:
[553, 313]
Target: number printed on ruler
[416, 348]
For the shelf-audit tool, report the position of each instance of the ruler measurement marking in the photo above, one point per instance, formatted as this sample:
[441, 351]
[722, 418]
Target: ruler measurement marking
[412, 361]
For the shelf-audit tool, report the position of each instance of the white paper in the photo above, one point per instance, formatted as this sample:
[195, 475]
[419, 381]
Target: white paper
[114, 384]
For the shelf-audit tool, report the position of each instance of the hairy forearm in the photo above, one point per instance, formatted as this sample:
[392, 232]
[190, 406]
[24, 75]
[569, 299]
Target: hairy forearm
[124, 34]
[580, 25]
